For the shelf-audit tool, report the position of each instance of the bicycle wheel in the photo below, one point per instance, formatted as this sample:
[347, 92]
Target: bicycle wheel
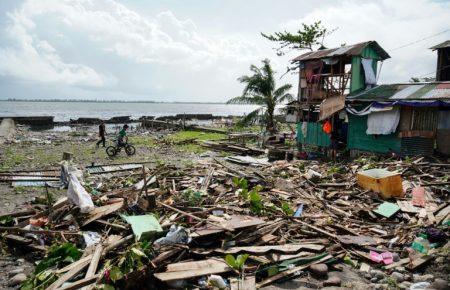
[111, 151]
[130, 150]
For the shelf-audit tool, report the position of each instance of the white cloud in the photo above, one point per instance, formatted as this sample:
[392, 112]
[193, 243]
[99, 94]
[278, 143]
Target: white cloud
[163, 43]
[391, 24]
[32, 59]
[107, 49]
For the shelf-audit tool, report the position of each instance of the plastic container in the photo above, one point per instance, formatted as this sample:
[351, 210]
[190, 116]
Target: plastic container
[387, 183]
[421, 244]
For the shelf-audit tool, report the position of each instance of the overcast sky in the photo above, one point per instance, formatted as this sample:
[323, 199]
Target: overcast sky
[191, 50]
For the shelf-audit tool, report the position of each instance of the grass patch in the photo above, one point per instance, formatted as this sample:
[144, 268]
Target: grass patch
[11, 158]
[146, 141]
[186, 135]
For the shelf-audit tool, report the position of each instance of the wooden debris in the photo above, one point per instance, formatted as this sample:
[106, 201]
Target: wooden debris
[186, 270]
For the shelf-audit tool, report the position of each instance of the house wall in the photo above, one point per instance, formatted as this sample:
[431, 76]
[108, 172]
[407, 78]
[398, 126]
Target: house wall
[443, 132]
[358, 139]
[315, 135]
[357, 82]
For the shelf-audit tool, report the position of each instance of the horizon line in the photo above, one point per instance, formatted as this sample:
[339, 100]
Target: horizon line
[106, 101]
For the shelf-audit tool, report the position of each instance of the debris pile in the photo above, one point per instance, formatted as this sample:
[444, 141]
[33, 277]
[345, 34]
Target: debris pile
[240, 225]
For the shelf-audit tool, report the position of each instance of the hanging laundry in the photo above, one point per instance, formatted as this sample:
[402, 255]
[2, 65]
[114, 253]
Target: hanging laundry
[312, 69]
[383, 123]
[371, 79]
[304, 129]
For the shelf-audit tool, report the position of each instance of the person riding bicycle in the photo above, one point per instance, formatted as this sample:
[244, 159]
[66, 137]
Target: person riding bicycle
[123, 138]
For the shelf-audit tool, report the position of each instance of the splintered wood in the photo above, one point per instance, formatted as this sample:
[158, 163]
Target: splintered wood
[286, 216]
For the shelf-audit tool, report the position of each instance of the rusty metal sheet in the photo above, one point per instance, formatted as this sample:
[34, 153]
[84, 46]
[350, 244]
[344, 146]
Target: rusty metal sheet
[349, 50]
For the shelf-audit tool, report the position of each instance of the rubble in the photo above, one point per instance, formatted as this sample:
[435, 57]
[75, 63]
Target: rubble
[174, 227]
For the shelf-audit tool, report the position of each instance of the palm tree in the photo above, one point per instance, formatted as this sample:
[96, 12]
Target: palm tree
[260, 90]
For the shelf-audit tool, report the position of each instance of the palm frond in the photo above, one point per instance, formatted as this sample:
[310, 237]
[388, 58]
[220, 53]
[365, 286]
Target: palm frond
[252, 116]
[285, 98]
[281, 90]
[248, 99]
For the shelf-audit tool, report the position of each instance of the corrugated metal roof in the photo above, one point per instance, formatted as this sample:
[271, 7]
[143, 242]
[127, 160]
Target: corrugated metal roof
[413, 91]
[441, 45]
[349, 50]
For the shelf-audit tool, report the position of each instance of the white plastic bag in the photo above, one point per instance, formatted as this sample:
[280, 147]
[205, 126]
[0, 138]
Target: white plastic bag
[91, 238]
[176, 235]
[217, 281]
[78, 195]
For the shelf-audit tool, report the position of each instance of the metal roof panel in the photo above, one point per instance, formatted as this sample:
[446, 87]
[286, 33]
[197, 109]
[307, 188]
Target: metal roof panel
[413, 91]
[349, 50]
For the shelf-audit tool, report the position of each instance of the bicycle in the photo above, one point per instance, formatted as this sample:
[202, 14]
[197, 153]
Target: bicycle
[113, 150]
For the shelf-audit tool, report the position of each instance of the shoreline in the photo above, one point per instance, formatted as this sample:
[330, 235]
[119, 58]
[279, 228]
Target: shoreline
[111, 101]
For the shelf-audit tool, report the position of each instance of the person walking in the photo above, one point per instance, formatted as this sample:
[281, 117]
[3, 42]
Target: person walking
[101, 134]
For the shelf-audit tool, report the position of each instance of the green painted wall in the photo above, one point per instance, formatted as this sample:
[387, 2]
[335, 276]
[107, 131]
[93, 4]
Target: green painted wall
[358, 139]
[357, 81]
[314, 136]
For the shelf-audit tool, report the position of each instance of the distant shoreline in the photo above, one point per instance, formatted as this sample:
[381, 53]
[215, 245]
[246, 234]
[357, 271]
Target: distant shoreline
[105, 101]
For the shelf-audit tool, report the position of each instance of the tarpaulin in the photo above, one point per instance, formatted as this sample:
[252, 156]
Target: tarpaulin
[368, 71]
[367, 110]
[383, 123]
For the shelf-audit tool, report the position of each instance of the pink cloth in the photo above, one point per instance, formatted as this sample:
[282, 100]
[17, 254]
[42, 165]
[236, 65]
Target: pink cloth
[418, 196]
[386, 257]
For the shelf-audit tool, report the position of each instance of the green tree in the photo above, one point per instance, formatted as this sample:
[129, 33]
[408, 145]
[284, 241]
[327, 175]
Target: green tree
[260, 89]
[304, 39]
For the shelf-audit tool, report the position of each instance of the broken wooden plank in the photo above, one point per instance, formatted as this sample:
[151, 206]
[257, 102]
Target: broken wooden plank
[397, 264]
[102, 211]
[236, 222]
[419, 261]
[357, 240]
[186, 270]
[70, 274]
[440, 216]
[94, 262]
[291, 271]
[316, 229]
[193, 216]
[81, 283]
[407, 206]
[286, 249]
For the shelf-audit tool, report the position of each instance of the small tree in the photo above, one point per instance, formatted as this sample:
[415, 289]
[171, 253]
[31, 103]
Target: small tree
[260, 89]
[305, 39]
